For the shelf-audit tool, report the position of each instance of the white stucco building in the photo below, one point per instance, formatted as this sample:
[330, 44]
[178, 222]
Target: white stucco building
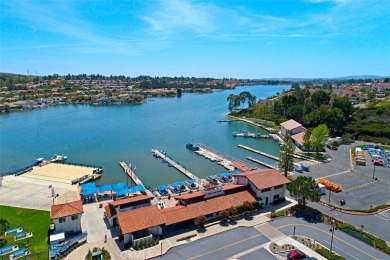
[67, 217]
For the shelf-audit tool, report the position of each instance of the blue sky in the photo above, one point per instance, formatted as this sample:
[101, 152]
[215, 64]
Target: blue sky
[239, 39]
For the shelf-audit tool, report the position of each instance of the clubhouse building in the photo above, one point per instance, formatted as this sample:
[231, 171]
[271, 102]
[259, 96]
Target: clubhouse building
[140, 217]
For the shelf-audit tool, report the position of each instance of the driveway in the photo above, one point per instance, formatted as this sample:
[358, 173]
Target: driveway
[376, 224]
[220, 246]
[343, 244]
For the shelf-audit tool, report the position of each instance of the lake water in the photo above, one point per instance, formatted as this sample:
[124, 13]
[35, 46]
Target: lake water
[105, 135]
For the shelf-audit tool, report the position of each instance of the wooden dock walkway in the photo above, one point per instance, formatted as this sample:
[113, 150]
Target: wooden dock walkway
[260, 162]
[131, 174]
[259, 152]
[176, 165]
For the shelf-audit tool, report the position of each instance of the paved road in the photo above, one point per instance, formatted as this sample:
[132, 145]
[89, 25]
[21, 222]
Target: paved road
[221, 246]
[378, 224]
[343, 244]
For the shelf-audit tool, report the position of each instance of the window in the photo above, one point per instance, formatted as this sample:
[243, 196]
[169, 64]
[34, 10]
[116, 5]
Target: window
[265, 190]
[61, 220]
[278, 187]
[74, 217]
[276, 197]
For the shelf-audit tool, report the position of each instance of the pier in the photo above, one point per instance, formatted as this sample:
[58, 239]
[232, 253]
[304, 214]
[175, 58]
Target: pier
[131, 174]
[176, 165]
[259, 152]
[261, 163]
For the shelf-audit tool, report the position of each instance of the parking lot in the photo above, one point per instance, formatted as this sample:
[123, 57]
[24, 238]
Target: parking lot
[360, 190]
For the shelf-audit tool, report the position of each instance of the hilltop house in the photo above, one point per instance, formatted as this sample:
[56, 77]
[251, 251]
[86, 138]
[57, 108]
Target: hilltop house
[292, 127]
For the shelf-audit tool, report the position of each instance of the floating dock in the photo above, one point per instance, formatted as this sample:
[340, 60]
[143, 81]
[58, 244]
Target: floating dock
[252, 135]
[259, 152]
[227, 120]
[131, 174]
[175, 164]
[262, 163]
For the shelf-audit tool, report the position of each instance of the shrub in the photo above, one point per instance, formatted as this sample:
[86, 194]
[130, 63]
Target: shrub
[247, 206]
[224, 214]
[366, 237]
[202, 220]
[256, 205]
[143, 192]
[280, 213]
[4, 225]
[240, 209]
[328, 255]
[3, 241]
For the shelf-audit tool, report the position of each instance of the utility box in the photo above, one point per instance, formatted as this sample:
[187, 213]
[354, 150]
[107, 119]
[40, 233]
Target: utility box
[322, 189]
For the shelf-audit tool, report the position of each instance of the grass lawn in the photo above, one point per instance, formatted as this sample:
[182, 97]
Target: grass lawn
[37, 221]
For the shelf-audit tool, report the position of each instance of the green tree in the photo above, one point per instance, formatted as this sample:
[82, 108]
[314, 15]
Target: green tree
[233, 102]
[286, 162]
[320, 136]
[295, 86]
[345, 105]
[4, 225]
[304, 188]
[307, 143]
[320, 97]
[335, 120]
[244, 97]
[295, 112]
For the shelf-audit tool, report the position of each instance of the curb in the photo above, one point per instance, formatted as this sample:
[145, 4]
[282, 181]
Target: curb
[356, 212]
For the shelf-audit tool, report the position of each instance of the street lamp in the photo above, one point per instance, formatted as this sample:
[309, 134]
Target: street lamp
[294, 232]
[373, 173]
[330, 192]
[331, 241]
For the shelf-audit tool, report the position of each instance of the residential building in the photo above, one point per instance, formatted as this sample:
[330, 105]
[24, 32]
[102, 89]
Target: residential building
[292, 127]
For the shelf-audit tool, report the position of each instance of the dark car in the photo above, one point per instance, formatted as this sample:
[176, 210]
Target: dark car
[296, 255]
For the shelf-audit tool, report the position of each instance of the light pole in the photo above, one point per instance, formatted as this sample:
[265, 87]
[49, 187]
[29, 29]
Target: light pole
[294, 232]
[330, 192]
[331, 241]
[373, 173]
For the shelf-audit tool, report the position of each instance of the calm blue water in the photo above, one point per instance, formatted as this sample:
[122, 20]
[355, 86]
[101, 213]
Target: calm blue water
[105, 135]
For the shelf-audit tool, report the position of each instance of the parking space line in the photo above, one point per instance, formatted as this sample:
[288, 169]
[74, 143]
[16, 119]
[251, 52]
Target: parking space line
[333, 174]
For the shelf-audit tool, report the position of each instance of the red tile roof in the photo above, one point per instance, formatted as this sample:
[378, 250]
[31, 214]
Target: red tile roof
[110, 211]
[205, 207]
[139, 219]
[263, 179]
[241, 166]
[197, 194]
[146, 217]
[130, 200]
[290, 124]
[66, 209]
[298, 137]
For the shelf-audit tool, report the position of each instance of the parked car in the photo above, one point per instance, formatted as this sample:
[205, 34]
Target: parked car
[365, 147]
[296, 255]
[298, 169]
[361, 162]
[378, 162]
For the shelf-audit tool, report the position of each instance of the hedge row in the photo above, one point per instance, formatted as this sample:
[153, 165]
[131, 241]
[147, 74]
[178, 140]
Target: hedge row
[328, 255]
[358, 233]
